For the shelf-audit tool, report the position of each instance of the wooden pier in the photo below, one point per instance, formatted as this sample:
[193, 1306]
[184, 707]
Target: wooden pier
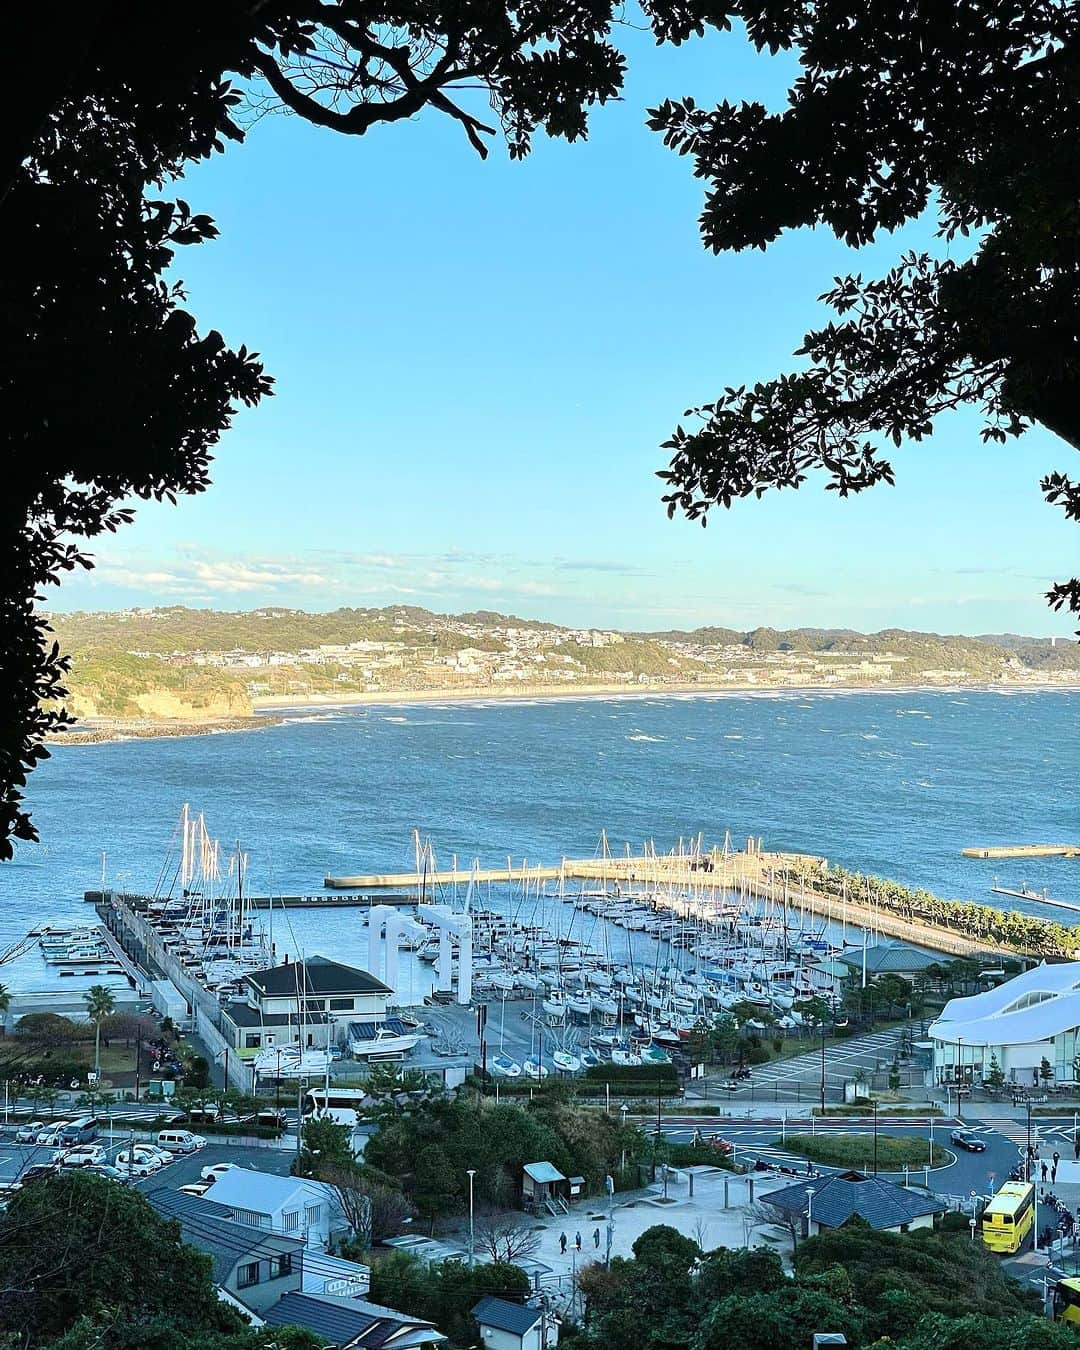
[1024, 851]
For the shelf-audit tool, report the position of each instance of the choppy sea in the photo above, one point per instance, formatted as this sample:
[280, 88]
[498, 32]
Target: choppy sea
[892, 783]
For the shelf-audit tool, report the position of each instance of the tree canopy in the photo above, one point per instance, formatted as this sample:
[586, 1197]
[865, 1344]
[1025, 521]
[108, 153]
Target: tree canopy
[108, 390]
[914, 1291]
[86, 1263]
[970, 110]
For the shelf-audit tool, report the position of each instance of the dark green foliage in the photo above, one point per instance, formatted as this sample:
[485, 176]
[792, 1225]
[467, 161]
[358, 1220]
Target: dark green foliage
[77, 1245]
[430, 1150]
[445, 1291]
[324, 1146]
[920, 1290]
[972, 110]
[927, 1269]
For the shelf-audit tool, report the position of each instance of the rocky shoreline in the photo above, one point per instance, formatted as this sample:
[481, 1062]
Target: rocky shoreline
[107, 731]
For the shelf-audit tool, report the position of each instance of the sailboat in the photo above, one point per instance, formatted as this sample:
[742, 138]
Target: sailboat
[502, 1066]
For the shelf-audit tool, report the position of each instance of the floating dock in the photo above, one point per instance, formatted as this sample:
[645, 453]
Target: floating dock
[1024, 851]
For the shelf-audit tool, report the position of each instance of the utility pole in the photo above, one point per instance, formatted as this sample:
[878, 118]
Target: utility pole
[823, 1068]
[875, 1135]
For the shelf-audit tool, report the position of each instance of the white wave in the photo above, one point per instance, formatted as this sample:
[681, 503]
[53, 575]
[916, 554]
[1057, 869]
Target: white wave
[395, 719]
[640, 736]
[869, 736]
[732, 736]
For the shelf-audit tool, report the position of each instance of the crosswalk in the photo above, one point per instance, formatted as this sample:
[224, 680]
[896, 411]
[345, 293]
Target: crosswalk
[1016, 1131]
[842, 1059]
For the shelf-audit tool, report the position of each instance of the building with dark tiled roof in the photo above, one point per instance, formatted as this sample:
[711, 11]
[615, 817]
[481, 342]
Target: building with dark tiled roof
[301, 1003]
[352, 1324]
[251, 1265]
[889, 958]
[832, 1201]
[514, 1326]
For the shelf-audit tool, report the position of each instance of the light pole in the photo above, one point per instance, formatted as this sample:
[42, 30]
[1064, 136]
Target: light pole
[809, 1208]
[930, 1161]
[875, 1136]
[471, 1172]
[823, 1068]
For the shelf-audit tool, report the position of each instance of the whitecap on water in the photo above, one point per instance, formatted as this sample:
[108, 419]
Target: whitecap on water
[640, 736]
[732, 736]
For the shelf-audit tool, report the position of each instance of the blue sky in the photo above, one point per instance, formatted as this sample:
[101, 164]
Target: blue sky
[476, 365]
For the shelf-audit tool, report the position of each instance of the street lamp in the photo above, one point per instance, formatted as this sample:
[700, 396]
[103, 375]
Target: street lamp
[470, 1173]
[809, 1208]
[875, 1135]
[823, 1067]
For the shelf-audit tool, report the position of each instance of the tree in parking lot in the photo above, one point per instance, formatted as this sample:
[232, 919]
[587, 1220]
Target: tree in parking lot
[324, 1148]
[100, 1003]
[1045, 1071]
[995, 1077]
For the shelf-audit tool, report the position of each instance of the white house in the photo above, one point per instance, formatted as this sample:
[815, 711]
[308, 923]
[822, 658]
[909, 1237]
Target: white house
[305, 1003]
[294, 1206]
[1033, 1017]
[513, 1326]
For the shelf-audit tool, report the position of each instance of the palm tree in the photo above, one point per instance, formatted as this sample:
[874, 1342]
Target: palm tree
[5, 1004]
[99, 1004]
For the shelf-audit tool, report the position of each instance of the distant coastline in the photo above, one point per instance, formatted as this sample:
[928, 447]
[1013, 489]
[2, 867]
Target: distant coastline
[268, 710]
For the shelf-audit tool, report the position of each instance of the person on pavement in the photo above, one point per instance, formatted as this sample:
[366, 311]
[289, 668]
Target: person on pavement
[562, 1243]
[1045, 1169]
[577, 1240]
[596, 1237]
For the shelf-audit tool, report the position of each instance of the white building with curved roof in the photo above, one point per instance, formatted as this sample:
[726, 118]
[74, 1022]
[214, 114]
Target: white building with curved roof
[1033, 1017]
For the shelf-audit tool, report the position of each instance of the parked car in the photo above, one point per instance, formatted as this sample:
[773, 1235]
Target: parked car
[28, 1133]
[110, 1172]
[968, 1141]
[135, 1163]
[38, 1171]
[85, 1155]
[163, 1153]
[51, 1133]
[216, 1170]
[180, 1141]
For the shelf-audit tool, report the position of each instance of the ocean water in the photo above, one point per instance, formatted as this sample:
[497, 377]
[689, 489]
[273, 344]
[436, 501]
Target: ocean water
[893, 783]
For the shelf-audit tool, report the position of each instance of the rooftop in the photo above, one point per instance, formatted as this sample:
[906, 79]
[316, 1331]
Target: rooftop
[543, 1171]
[500, 1313]
[1032, 1007]
[317, 975]
[889, 958]
[263, 1192]
[207, 1226]
[348, 1322]
[838, 1198]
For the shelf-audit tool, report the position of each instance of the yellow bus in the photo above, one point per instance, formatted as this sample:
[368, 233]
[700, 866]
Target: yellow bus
[1067, 1301]
[1009, 1217]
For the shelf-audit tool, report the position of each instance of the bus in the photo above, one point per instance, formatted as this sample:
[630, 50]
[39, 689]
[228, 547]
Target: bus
[317, 1101]
[1009, 1217]
[1067, 1301]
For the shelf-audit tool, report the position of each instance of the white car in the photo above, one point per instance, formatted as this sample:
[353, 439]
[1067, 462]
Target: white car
[217, 1170]
[28, 1133]
[51, 1133]
[136, 1164]
[85, 1155]
[162, 1154]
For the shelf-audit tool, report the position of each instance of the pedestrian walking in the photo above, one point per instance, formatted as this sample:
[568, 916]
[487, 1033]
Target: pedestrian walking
[577, 1240]
[1045, 1169]
[1076, 1148]
[562, 1243]
[596, 1237]
[1053, 1175]
[1057, 1157]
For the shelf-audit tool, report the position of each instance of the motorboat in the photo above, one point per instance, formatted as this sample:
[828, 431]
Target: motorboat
[655, 1054]
[502, 1066]
[384, 1042]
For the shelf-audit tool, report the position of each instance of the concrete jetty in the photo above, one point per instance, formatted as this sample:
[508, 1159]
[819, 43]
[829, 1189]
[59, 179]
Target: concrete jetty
[1024, 851]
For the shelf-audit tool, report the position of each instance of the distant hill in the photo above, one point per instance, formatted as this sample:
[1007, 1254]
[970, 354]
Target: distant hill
[181, 663]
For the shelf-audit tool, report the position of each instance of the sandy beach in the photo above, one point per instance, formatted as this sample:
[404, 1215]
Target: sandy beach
[268, 710]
